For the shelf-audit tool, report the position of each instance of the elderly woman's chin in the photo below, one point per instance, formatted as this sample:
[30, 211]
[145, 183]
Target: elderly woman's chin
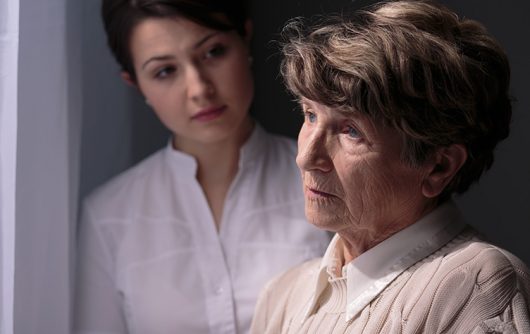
[323, 210]
[329, 220]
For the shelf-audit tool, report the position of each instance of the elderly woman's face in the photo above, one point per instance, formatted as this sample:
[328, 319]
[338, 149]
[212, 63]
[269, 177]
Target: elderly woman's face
[352, 172]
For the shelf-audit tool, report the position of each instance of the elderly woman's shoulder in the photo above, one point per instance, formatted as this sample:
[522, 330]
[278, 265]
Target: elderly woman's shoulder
[468, 283]
[485, 257]
[482, 265]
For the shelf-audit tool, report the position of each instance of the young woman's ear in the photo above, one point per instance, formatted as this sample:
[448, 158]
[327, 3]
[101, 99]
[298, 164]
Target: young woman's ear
[249, 27]
[127, 78]
[443, 166]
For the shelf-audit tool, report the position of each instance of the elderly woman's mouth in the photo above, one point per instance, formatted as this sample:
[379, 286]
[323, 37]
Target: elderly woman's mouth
[317, 193]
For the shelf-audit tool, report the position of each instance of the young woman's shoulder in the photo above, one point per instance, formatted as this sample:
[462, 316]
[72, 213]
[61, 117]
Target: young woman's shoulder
[283, 144]
[127, 185]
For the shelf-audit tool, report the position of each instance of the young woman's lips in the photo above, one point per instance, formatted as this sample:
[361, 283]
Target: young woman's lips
[208, 114]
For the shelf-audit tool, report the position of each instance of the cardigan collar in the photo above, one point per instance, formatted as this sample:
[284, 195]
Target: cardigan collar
[371, 272]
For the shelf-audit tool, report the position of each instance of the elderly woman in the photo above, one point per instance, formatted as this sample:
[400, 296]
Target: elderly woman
[404, 105]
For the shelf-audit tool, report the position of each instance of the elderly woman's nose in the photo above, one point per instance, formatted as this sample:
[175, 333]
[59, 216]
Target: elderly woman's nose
[313, 153]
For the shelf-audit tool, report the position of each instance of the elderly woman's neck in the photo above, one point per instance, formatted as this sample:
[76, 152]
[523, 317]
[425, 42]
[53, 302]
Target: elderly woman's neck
[361, 241]
[357, 241]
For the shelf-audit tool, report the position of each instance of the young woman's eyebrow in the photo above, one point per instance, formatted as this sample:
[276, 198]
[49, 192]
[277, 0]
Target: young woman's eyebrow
[196, 46]
[157, 58]
[205, 39]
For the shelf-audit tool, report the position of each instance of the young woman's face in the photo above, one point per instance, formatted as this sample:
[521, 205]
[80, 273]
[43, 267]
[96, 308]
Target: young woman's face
[197, 80]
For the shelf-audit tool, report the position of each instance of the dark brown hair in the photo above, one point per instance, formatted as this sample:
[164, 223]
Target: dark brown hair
[120, 17]
[412, 65]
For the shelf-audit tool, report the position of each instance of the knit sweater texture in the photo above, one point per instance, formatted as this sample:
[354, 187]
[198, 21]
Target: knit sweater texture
[467, 286]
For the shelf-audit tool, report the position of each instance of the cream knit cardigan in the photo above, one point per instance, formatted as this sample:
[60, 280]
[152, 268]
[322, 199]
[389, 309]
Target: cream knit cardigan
[467, 286]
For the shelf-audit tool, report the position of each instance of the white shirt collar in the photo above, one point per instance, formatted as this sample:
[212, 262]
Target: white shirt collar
[253, 147]
[371, 272]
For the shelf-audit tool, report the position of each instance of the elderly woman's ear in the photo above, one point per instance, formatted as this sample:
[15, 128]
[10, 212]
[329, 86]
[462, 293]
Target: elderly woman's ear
[442, 166]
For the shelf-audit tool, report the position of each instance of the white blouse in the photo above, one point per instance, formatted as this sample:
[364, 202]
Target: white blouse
[151, 260]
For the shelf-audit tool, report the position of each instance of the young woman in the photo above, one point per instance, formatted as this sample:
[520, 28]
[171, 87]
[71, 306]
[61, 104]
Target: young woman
[183, 242]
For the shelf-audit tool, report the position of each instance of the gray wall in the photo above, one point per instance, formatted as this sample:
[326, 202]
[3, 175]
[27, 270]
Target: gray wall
[47, 163]
[118, 129]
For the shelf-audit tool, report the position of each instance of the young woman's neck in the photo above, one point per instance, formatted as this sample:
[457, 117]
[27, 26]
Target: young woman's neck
[217, 159]
[217, 165]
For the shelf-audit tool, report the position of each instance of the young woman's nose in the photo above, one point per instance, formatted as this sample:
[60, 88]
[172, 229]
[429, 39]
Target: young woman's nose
[313, 151]
[199, 85]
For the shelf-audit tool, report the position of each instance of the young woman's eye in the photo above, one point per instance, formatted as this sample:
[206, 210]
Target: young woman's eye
[164, 72]
[352, 132]
[216, 51]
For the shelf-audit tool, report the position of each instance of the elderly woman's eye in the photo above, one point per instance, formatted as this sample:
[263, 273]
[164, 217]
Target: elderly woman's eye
[310, 116]
[352, 132]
